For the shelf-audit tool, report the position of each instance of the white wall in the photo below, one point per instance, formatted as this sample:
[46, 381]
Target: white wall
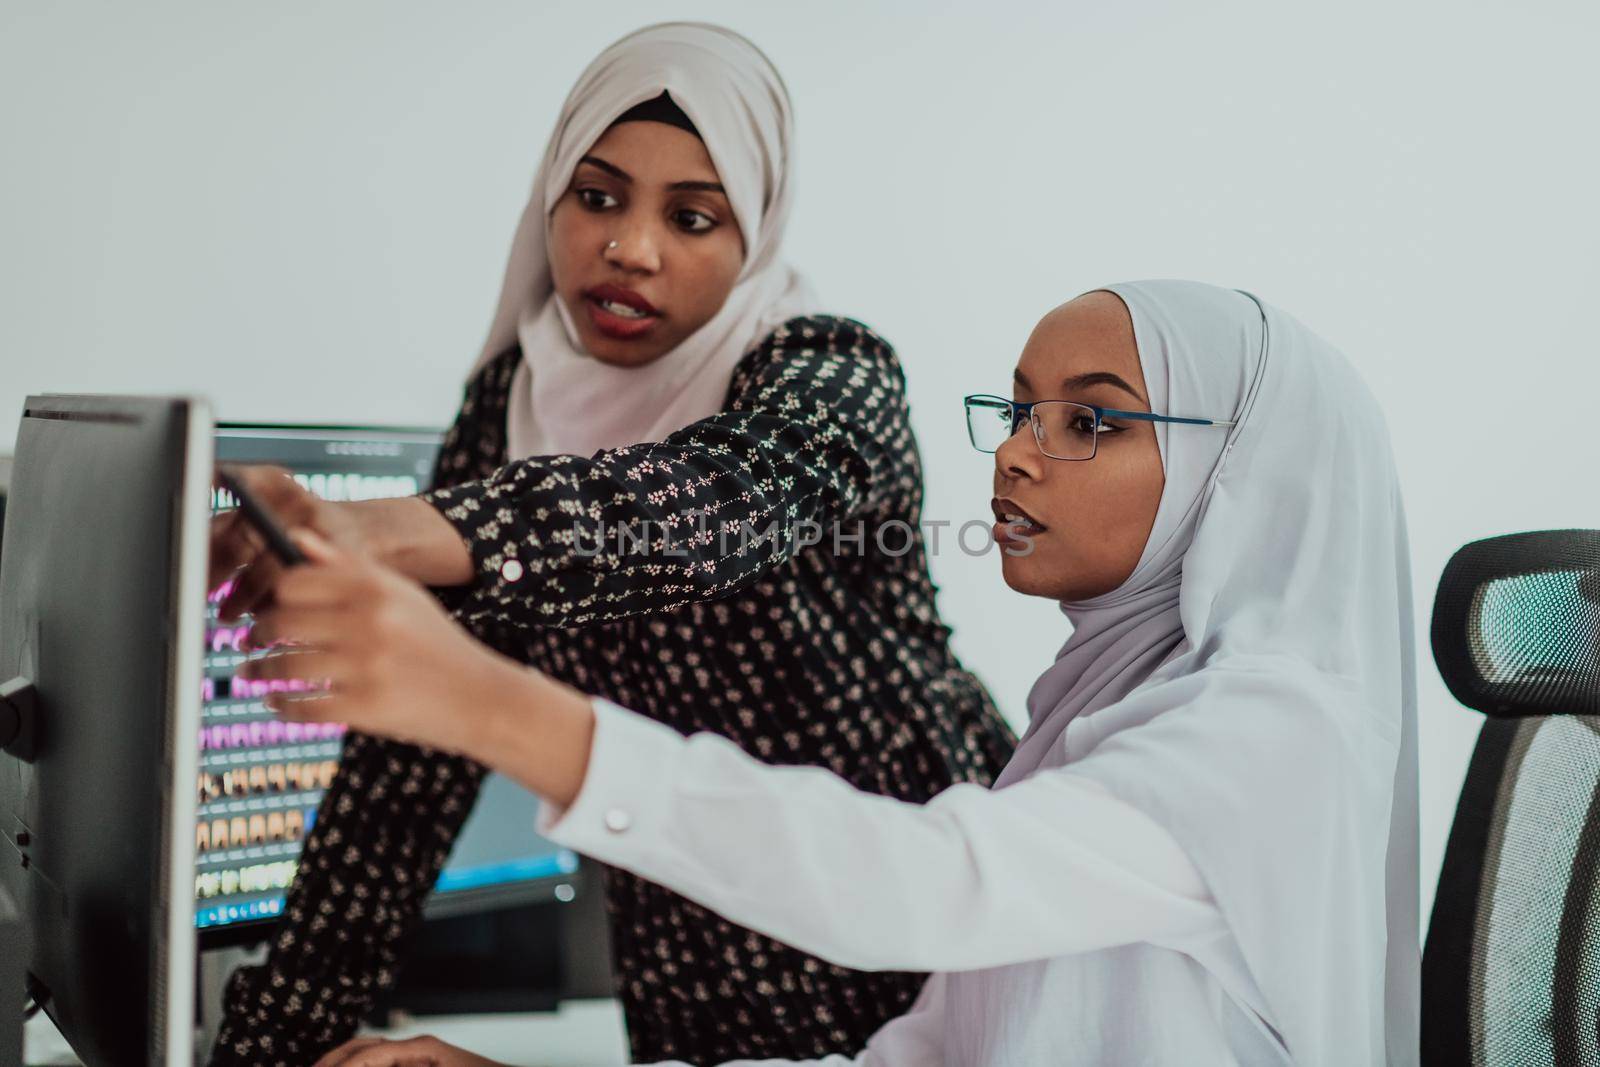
[302, 210]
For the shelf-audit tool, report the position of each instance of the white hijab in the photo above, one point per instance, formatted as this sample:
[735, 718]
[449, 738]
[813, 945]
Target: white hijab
[1251, 685]
[562, 399]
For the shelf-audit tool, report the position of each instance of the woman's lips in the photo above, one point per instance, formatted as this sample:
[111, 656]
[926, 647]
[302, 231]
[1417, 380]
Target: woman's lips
[619, 313]
[1012, 524]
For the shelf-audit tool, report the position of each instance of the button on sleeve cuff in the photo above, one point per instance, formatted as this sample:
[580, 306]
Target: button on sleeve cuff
[626, 792]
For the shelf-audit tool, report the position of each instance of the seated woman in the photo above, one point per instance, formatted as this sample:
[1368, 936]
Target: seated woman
[1204, 849]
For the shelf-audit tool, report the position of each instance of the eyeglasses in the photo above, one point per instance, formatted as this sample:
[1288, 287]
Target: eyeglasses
[1062, 428]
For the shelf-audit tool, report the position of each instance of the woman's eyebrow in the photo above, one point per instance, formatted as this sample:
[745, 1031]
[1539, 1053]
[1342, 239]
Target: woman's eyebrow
[610, 168]
[622, 175]
[1102, 377]
[698, 187]
[1083, 381]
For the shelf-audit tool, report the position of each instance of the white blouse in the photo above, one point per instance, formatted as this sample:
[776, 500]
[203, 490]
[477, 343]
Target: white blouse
[1063, 926]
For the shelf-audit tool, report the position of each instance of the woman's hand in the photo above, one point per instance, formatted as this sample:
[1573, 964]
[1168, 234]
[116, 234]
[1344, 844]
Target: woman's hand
[364, 646]
[415, 1052]
[238, 550]
[404, 533]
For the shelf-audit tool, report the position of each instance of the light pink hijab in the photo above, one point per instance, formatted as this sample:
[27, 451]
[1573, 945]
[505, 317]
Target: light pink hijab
[562, 399]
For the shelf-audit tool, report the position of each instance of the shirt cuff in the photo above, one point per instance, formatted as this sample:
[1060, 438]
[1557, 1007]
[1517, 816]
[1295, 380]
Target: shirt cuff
[490, 532]
[625, 797]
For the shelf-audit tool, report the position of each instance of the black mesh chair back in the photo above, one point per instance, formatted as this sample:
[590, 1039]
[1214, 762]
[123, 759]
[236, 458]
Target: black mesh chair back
[1511, 969]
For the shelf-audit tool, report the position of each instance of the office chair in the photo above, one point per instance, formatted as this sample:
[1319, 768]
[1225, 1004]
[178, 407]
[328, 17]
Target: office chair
[1511, 969]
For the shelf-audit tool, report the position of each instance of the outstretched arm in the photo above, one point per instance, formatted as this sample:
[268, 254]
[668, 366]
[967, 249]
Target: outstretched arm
[1052, 865]
[974, 878]
[817, 434]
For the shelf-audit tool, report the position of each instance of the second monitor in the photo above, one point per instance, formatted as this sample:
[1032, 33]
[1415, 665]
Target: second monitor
[261, 780]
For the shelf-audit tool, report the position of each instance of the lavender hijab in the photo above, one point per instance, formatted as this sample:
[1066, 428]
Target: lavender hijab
[1251, 685]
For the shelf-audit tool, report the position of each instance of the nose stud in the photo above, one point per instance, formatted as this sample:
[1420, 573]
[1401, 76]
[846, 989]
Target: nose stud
[612, 246]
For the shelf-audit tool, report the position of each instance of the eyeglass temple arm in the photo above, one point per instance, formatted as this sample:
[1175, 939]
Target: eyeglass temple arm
[1148, 416]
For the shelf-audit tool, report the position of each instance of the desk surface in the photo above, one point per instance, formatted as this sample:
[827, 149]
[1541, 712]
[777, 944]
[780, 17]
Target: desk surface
[583, 1033]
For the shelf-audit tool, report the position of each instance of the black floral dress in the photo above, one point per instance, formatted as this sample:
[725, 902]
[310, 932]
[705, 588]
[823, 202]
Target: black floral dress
[726, 619]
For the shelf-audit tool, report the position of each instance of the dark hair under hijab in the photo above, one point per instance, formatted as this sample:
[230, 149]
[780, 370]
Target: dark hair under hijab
[659, 109]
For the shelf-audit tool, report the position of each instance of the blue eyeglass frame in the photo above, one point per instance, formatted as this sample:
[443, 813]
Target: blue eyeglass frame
[1024, 410]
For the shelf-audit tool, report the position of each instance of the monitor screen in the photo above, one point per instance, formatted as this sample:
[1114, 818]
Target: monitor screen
[261, 780]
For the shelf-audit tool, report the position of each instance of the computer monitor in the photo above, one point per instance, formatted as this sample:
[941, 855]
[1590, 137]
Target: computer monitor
[261, 780]
[102, 597]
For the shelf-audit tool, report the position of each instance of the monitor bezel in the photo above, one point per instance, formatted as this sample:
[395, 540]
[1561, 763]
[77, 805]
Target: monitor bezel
[176, 891]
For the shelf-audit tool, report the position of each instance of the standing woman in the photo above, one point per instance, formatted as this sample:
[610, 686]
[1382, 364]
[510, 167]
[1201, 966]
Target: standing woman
[654, 368]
